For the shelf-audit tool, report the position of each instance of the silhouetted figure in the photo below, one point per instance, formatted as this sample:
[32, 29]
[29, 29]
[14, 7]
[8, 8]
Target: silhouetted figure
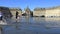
[1, 16]
[17, 14]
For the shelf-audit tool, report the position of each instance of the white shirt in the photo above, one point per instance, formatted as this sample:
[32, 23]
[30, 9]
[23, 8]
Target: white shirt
[0, 14]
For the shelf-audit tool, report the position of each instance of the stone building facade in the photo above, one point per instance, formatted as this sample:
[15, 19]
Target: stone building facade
[52, 12]
[39, 12]
[5, 11]
[47, 12]
[13, 11]
[27, 11]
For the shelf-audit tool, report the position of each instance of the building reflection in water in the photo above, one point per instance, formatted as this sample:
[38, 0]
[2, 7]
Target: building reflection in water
[38, 24]
[52, 19]
[52, 22]
[38, 19]
[24, 19]
[47, 22]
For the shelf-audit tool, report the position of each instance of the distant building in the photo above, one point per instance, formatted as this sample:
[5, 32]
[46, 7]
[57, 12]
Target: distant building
[27, 11]
[5, 11]
[52, 12]
[39, 12]
[13, 11]
[47, 12]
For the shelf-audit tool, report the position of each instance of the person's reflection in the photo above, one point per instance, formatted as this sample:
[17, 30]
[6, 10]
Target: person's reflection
[27, 19]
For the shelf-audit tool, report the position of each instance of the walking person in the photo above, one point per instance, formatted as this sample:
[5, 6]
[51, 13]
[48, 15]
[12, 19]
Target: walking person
[17, 14]
[1, 16]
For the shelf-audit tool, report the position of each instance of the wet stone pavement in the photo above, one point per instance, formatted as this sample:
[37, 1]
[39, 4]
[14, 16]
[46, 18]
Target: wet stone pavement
[32, 25]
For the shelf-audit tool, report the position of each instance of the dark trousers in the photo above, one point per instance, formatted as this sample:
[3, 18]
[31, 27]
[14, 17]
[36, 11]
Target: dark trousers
[16, 16]
[1, 17]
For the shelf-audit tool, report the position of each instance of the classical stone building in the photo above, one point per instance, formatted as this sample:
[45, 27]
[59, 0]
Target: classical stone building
[52, 12]
[5, 12]
[39, 12]
[47, 12]
[13, 11]
[27, 11]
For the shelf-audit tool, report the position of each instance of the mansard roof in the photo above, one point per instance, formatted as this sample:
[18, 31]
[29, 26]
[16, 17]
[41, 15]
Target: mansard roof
[15, 9]
[38, 9]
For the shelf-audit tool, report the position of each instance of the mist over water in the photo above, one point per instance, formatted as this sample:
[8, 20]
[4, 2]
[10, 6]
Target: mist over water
[33, 25]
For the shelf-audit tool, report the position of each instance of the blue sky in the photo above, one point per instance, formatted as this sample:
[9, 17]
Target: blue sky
[31, 3]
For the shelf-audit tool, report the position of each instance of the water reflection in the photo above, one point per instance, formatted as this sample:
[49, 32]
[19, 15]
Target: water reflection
[54, 19]
[34, 25]
[49, 22]
[53, 22]
[38, 19]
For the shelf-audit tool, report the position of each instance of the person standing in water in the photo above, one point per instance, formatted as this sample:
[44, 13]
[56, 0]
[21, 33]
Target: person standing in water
[1, 16]
[17, 14]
